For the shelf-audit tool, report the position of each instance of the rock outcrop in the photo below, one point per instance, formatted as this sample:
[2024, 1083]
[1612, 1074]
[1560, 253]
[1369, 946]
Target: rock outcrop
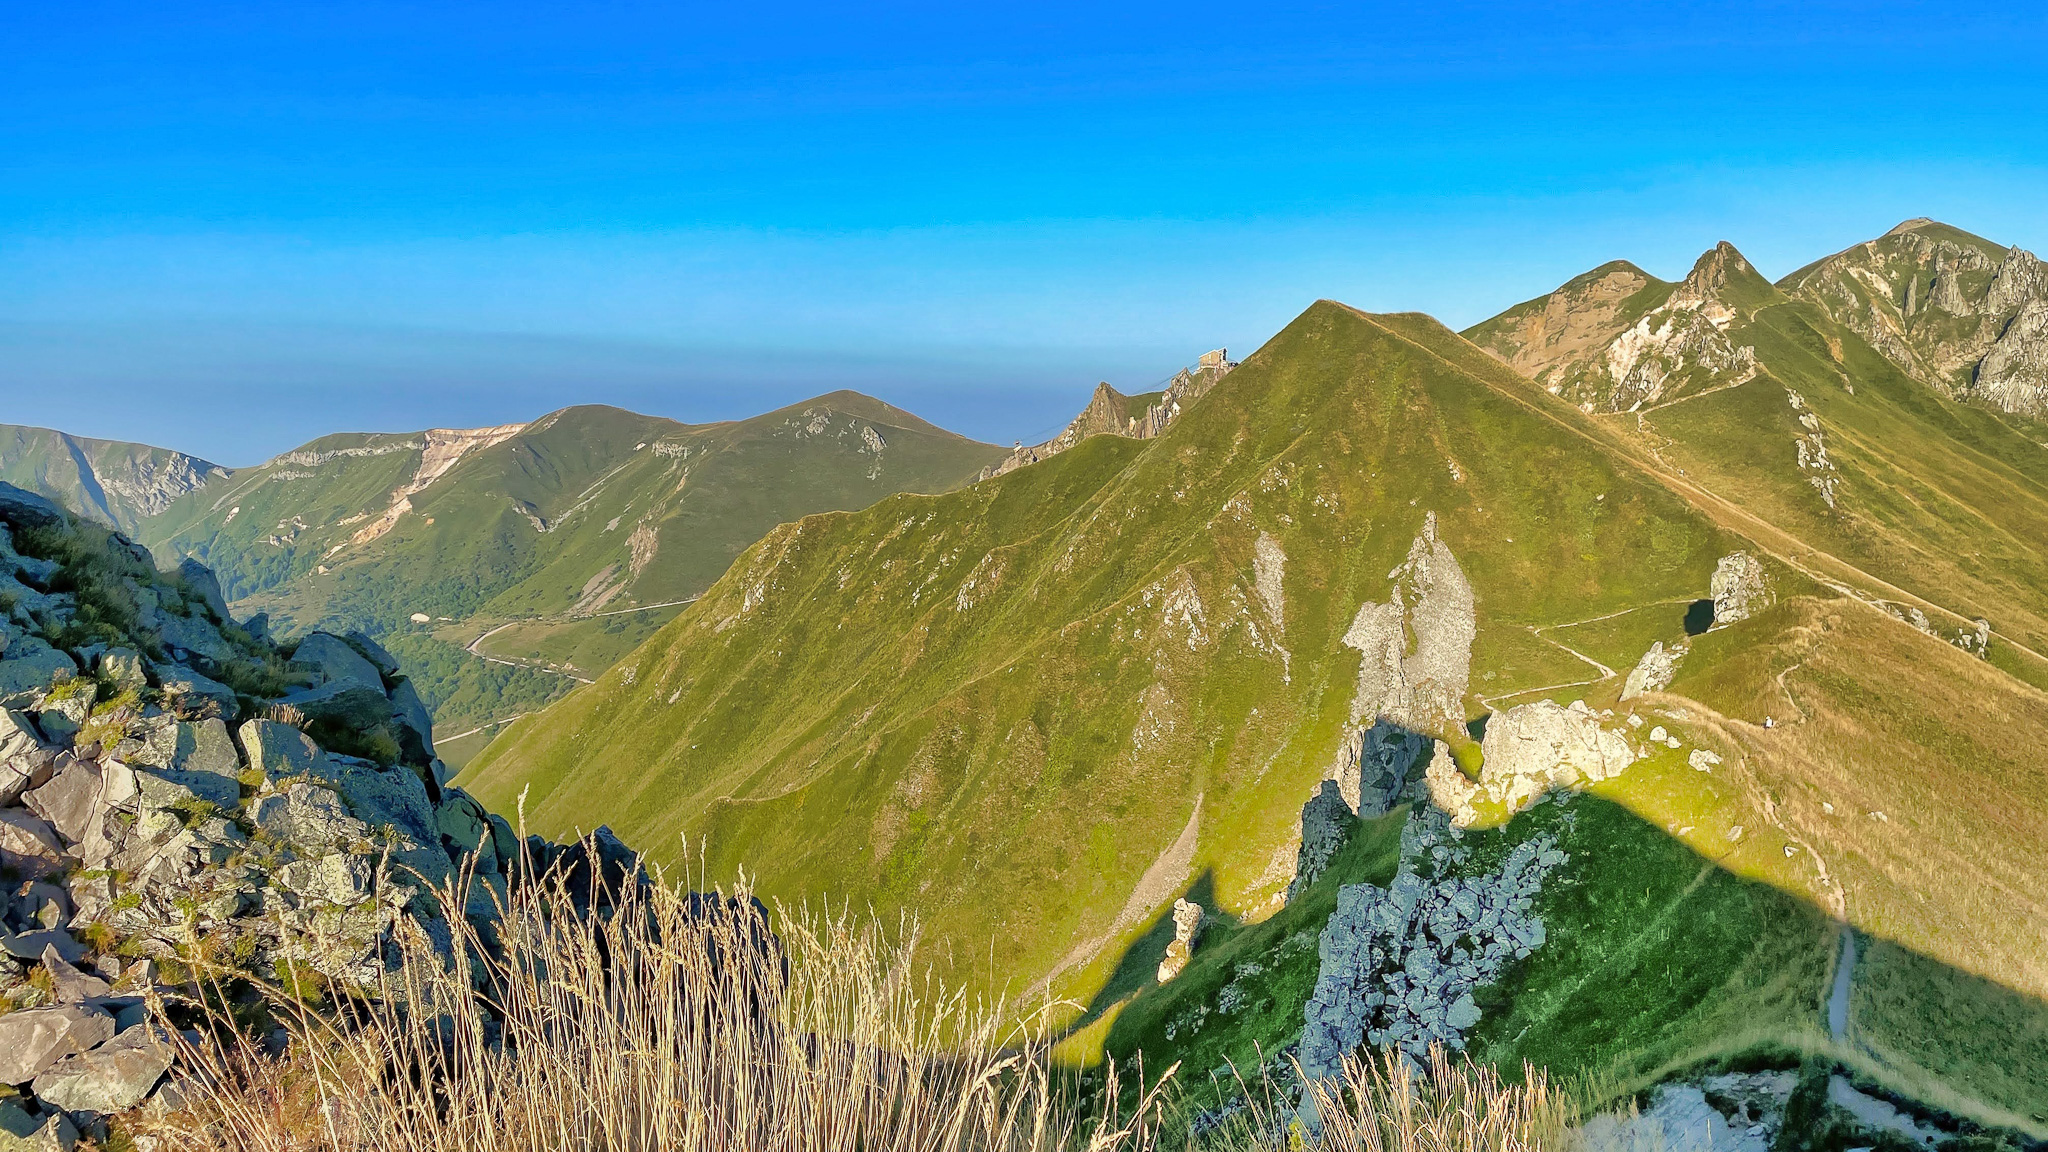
[1654, 671]
[1528, 750]
[153, 818]
[1741, 588]
[1187, 926]
[1417, 646]
[1400, 965]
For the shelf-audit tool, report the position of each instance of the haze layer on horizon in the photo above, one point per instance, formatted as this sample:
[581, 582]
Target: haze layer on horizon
[230, 228]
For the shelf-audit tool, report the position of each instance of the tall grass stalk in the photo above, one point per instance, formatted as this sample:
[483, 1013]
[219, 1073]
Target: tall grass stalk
[1384, 1104]
[665, 1023]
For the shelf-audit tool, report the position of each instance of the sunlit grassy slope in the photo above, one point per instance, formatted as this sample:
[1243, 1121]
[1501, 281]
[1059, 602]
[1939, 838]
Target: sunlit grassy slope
[1037, 709]
[1002, 705]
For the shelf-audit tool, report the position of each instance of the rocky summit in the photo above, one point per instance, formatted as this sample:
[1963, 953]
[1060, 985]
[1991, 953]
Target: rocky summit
[183, 798]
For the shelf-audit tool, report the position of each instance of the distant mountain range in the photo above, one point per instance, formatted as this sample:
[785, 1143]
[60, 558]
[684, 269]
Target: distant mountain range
[569, 538]
[1791, 579]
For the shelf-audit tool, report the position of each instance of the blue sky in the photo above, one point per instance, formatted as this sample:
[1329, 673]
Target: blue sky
[230, 228]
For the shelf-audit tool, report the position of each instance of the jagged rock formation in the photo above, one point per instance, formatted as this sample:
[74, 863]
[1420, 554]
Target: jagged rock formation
[1326, 823]
[1111, 413]
[1617, 340]
[1187, 925]
[1654, 671]
[1528, 750]
[158, 812]
[1418, 645]
[1741, 588]
[1399, 964]
[1953, 310]
[115, 483]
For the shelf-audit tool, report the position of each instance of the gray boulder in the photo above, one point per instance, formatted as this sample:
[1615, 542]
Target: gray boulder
[353, 702]
[281, 751]
[68, 984]
[34, 1040]
[335, 661]
[28, 668]
[61, 715]
[336, 878]
[29, 848]
[200, 579]
[73, 800]
[194, 636]
[31, 945]
[49, 1132]
[122, 667]
[409, 713]
[374, 652]
[308, 815]
[193, 692]
[113, 1077]
[24, 760]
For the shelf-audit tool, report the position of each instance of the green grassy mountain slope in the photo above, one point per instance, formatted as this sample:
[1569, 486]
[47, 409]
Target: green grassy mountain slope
[1039, 709]
[116, 483]
[1005, 705]
[1790, 426]
[581, 531]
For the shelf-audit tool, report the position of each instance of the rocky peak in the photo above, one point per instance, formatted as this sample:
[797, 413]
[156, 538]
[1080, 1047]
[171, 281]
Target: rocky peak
[1953, 310]
[1111, 413]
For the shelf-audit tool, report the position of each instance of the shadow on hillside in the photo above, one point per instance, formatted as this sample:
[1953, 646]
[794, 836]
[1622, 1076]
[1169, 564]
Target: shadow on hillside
[1138, 968]
[1658, 959]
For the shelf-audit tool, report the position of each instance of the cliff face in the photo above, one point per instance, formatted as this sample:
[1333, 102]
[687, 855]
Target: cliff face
[119, 484]
[1111, 413]
[1953, 310]
[1618, 340]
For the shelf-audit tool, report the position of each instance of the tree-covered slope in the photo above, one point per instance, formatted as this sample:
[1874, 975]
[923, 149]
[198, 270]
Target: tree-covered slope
[116, 483]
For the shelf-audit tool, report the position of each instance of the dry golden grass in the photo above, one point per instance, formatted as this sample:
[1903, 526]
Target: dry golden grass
[667, 1024]
[1385, 1105]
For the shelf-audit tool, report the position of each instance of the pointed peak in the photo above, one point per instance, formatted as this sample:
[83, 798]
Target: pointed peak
[1725, 274]
[1913, 225]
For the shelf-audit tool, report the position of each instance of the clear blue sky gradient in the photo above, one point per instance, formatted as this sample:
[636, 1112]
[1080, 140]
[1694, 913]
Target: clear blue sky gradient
[230, 228]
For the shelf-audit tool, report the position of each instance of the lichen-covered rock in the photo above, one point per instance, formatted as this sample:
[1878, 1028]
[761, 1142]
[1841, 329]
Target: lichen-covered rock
[1399, 965]
[193, 693]
[28, 668]
[280, 751]
[1741, 588]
